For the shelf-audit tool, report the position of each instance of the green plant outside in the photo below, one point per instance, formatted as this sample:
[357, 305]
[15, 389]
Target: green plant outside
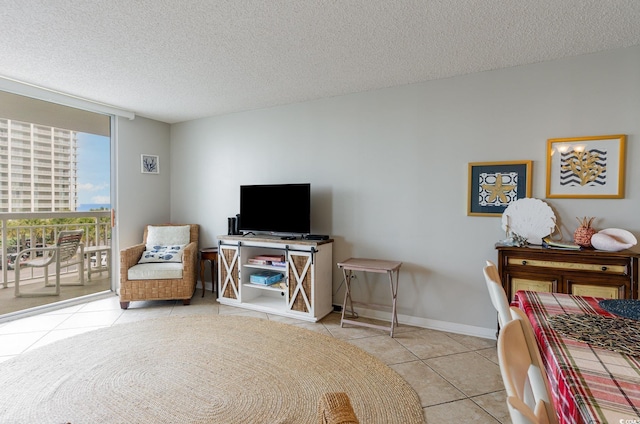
[20, 231]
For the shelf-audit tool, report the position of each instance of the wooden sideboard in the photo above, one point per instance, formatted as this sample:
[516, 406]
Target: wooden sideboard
[587, 272]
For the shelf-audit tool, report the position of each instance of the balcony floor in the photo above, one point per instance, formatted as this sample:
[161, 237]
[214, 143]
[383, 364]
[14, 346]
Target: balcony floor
[9, 303]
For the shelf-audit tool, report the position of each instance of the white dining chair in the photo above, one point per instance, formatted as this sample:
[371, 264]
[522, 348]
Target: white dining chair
[532, 343]
[520, 413]
[496, 293]
[523, 373]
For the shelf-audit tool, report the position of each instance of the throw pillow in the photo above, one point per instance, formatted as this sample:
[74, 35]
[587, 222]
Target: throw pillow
[171, 253]
[167, 235]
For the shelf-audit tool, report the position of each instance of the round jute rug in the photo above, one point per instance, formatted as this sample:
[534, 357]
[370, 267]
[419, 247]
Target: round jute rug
[199, 369]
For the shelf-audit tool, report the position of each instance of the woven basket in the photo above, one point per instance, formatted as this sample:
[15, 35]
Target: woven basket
[335, 408]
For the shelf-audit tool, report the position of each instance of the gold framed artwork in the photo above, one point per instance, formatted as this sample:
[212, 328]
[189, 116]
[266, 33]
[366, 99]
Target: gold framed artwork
[494, 185]
[586, 167]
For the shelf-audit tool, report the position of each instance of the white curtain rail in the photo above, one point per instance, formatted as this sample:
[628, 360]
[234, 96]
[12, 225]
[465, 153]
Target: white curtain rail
[40, 93]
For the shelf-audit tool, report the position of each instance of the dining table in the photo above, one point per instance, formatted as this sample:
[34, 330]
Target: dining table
[591, 356]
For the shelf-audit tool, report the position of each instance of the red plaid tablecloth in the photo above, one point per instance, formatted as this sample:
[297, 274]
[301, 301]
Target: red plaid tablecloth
[588, 384]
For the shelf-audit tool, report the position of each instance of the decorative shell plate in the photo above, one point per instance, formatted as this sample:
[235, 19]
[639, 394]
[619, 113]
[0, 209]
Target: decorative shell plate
[613, 239]
[530, 218]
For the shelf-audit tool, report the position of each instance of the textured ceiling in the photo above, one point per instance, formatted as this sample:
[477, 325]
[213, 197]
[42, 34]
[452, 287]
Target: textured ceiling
[176, 60]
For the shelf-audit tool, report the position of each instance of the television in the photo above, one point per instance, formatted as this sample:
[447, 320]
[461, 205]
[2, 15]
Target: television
[275, 208]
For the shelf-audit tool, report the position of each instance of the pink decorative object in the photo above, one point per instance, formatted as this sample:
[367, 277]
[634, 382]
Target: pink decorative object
[582, 235]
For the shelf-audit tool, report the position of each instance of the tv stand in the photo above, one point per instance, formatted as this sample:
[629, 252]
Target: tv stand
[304, 293]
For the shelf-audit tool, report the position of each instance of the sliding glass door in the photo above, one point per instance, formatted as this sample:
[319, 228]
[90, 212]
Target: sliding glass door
[55, 175]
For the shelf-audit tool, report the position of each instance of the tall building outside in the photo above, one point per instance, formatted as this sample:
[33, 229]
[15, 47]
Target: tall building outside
[38, 168]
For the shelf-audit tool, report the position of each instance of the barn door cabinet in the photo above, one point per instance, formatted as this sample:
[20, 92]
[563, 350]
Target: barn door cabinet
[612, 275]
[306, 289]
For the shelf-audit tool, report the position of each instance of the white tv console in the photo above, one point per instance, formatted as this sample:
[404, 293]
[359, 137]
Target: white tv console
[307, 290]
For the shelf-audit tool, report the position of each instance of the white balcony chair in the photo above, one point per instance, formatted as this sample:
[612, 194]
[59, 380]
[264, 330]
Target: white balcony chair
[68, 251]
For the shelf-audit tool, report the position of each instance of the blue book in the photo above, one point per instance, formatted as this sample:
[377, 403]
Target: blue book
[266, 277]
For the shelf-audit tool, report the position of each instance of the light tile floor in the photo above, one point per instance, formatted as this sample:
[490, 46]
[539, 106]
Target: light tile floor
[456, 377]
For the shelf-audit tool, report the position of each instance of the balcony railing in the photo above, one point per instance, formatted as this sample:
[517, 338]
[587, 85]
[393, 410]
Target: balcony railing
[20, 231]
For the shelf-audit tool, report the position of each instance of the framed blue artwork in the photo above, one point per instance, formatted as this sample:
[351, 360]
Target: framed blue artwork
[149, 164]
[494, 185]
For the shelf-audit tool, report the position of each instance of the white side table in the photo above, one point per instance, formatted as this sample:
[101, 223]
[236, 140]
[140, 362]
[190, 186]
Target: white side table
[97, 251]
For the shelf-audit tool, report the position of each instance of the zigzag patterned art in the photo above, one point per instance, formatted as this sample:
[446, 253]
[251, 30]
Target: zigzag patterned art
[583, 168]
[497, 189]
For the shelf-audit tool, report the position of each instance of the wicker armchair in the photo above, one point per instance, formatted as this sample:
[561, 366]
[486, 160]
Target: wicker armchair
[147, 285]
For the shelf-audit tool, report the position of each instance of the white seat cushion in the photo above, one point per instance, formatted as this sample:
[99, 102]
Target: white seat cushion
[155, 271]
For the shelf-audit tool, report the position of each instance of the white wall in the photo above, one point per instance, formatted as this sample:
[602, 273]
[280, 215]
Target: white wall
[141, 198]
[388, 170]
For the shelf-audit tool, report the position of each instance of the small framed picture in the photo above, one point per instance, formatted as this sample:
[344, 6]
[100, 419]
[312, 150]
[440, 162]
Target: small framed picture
[494, 185]
[150, 164]
[586, 167]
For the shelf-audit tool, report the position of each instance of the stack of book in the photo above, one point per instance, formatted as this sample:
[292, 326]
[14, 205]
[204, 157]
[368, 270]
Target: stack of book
[273, 260]
[266, 278]
[552, 244]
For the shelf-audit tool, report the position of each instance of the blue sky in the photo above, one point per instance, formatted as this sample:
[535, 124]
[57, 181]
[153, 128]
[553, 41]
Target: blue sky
[94, 152]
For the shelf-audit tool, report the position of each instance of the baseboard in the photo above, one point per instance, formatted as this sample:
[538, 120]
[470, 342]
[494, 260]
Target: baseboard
[451, 327]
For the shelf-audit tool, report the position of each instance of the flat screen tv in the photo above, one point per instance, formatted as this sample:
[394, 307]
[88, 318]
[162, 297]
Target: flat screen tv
[275, 208]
